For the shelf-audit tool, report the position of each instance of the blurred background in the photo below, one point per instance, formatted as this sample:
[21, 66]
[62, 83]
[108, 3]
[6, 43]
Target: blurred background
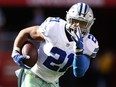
[18, 14]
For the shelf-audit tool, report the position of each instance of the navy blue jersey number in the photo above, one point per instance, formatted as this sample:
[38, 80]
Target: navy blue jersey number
[56, 19]
[94, 40]
[59, 57]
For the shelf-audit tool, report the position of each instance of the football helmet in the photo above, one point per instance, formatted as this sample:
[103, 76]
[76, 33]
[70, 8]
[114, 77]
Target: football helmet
[83, 13]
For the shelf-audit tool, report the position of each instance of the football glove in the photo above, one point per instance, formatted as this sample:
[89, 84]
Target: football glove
[18, 59]
[77, 37]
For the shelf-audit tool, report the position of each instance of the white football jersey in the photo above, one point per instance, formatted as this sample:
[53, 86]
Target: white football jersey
[55, 55]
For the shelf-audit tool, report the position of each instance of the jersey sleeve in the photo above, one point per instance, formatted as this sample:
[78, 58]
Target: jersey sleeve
[91, 46]
[48, 29]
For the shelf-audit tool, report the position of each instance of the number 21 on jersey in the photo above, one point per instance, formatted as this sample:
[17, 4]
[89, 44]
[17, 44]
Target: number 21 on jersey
[60, 64]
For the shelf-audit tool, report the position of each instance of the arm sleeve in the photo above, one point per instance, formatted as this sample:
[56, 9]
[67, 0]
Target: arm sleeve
[80, 65]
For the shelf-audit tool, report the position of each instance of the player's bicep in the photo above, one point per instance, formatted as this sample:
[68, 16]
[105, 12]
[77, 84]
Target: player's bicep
[35, 33]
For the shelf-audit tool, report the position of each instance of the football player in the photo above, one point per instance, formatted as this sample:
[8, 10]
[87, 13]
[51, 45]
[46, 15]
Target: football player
[63, 44]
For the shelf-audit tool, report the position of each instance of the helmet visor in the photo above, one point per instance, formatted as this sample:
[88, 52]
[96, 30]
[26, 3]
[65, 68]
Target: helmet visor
[82, 24]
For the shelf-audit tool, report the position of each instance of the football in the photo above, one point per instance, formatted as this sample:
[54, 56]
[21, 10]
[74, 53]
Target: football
[29, 49]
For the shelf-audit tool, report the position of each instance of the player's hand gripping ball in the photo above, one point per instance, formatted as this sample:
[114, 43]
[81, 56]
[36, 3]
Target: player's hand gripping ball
[30, 50]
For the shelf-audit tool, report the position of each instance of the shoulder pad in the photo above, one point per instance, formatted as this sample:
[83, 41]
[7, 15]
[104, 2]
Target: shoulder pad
[50, 27]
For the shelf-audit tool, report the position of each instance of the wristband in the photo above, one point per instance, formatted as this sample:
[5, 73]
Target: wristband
[17, 49]
[79, 52]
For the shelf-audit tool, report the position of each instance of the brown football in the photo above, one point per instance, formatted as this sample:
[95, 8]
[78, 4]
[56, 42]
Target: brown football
[30, 50]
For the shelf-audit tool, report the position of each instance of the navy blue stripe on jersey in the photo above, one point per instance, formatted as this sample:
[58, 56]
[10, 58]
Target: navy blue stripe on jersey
[96, 49]
[95, 52]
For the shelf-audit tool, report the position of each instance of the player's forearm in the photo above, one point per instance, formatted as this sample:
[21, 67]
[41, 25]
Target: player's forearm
[21, 38]
[25, 34]
[80, 65]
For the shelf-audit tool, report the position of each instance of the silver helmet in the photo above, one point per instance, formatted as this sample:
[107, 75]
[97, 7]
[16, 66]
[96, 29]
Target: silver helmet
[81, 12]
